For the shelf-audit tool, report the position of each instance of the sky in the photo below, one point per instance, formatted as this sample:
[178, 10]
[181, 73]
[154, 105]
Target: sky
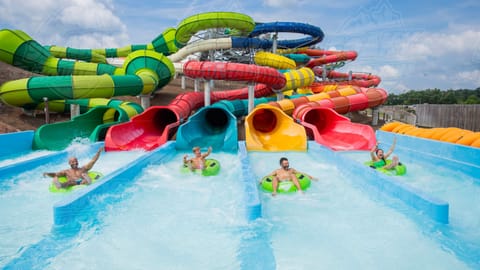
[411, 45]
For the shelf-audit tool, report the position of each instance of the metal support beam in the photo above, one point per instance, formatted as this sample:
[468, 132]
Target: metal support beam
[74, 110]
[206, 93]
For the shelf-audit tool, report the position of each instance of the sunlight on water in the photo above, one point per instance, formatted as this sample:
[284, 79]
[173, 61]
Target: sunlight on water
[336, 226]
[170, 220]
[26, 203]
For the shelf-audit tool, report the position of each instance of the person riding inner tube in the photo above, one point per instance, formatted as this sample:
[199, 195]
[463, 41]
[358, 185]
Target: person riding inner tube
[212, 167]
[285, 186]
[94, 176]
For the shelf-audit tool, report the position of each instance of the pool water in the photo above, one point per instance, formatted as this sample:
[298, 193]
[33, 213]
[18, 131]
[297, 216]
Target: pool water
[26, 203]
[170, 220]
[18, 157]
[338, 226]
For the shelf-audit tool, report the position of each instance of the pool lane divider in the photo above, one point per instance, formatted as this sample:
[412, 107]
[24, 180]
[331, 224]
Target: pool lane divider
[428, 205]
[16, 142]
[465, 159]
[255, 241]
[10, 170]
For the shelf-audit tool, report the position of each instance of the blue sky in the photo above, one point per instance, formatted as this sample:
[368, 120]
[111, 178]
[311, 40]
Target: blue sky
[409, 44]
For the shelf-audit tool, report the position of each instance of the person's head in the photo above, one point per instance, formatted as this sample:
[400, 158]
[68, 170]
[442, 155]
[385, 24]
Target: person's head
[284, 163]
[196, 151]
[73, 162]
[379, 153]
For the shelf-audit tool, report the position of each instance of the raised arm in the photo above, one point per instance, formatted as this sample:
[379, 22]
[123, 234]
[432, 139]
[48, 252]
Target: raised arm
[208, 152]
[94, 159]
[372, 152]
[390, 151]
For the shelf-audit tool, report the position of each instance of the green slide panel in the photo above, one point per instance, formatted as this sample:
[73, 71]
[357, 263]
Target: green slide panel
[242, 23]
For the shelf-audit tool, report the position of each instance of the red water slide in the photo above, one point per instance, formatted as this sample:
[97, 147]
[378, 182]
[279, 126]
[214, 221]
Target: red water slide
[157, 124]
[322, 57]
[340, 78]
[324, 123]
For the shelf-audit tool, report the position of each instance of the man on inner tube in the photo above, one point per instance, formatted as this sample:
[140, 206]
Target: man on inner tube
[75, 175]
[198, 161]
[285, 173]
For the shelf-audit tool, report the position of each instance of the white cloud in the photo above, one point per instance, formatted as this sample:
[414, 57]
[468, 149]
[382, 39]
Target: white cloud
[472, 77]
[66, 23]
[422, 46]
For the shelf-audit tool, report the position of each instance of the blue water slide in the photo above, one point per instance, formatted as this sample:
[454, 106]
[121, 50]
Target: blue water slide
[215, 125]
[316, 34]
[210, 126]
[255, 43]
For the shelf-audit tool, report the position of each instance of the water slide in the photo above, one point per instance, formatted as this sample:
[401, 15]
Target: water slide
[153, 128]
[266, 131]
[142, 73]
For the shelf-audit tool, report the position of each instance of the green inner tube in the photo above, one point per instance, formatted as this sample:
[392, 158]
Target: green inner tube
[400, 169]
[62, 179]
[212, 167]
[285, 186]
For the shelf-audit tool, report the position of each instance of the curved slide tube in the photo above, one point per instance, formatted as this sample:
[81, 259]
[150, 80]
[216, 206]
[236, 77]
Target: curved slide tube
[342, 101]
[322, 57]
[340, 78]
[215, 125]
[157, 124]
[335, 131]
[242, 24]
[197, 132]
[153, 127]
[92, 124]
[268, 128]
[169, 41]
[145, 71]
[164, 43]
[316, 34]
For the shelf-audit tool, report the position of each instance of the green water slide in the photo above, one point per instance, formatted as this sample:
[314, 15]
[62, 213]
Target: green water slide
[143, 72]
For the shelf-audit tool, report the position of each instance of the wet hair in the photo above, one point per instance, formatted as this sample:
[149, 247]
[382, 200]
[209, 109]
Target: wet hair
[195, 148]
[282, 159]
[376, 152]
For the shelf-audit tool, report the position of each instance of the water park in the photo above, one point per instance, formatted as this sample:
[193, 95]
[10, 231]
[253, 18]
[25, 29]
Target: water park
[189, 184]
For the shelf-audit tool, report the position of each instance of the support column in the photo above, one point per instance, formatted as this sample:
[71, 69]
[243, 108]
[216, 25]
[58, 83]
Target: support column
[275, 42]
[145, 101]
[375, 112]
[195, 85]
[46, 110]
[251, 97]
[206, 93]
[183, 83]
[280, 95]
[74, 110]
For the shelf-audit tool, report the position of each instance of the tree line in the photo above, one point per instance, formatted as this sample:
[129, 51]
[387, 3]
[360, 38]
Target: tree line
[435, 96]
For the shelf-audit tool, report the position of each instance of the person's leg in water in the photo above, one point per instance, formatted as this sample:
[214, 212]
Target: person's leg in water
[274, 185]
[296, 183]
[69, 183]
[393, 164]
[86, 180]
